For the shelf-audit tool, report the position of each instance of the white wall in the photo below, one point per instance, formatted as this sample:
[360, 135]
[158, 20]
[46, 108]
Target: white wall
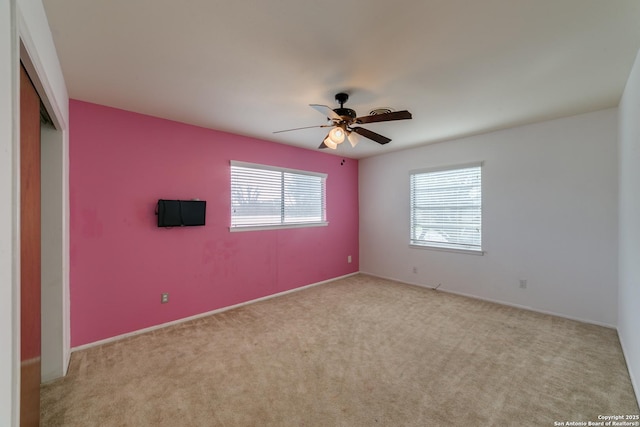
[549, 216]
[629, 251]
[9, 367]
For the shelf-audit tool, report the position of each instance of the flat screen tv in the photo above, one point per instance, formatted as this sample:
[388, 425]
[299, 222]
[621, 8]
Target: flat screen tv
[179, 213]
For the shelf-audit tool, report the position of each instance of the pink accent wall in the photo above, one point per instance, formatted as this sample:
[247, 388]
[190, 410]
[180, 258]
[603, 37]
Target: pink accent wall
[121, 163]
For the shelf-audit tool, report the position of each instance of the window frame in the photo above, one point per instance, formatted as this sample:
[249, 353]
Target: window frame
[282, 225]
[464, 250]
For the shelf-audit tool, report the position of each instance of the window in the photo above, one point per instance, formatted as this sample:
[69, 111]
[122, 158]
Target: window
[265, 197]
[446, 208]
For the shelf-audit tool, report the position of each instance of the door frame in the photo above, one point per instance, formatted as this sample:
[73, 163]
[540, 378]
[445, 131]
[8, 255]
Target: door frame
[55, 207]
[25, 36]
[55, 241]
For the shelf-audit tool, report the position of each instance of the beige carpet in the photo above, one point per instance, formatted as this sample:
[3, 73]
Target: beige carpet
[360, 351]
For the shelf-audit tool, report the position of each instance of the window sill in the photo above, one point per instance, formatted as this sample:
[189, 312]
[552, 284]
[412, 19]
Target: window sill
[437, 248]
[277, 227]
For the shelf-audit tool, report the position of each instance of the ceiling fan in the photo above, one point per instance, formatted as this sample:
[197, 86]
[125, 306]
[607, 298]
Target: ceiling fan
[343, 120]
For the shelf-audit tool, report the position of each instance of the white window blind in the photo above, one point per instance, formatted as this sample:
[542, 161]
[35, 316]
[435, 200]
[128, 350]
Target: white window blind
[271, 197]
[446, 208]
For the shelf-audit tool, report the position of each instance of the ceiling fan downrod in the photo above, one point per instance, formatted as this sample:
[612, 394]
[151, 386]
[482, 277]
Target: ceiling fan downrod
[348, 115]
[342, 98]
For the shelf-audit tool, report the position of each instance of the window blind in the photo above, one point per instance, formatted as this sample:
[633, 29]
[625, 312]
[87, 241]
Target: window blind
[267, 196]
[446, 208]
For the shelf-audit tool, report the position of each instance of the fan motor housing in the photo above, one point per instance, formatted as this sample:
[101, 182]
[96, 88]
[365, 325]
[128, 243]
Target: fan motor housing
[348, 112]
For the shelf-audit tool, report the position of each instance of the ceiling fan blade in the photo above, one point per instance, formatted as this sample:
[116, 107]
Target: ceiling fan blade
[371, 135]
[323, 146]
[305, 127]
[385, 117]
[328, 112]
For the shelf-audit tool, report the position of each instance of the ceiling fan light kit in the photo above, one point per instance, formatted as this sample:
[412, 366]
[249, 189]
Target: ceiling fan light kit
[336, 135]
[328, 143]
[343, 120]
[353, 139]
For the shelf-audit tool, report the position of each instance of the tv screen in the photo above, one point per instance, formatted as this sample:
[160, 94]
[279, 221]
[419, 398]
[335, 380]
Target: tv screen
[177, 213]
[193, 212]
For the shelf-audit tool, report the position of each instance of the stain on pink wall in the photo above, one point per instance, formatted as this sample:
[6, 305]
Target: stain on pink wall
[121, 163]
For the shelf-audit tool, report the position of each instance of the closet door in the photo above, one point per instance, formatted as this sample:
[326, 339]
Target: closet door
[29, 252]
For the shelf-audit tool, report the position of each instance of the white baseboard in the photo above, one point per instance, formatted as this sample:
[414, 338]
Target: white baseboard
[66, 360]
[509, 304]
[634, 384]
[198, 316]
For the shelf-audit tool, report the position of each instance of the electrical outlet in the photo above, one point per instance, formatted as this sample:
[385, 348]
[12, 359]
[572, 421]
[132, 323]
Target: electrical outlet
[349, 259]
[523, 283]
[415, 270]
[165, 298]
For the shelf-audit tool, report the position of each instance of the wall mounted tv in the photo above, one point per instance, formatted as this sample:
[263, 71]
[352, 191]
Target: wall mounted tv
[179, 213]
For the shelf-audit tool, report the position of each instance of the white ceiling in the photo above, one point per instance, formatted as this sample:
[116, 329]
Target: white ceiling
[251, 67]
